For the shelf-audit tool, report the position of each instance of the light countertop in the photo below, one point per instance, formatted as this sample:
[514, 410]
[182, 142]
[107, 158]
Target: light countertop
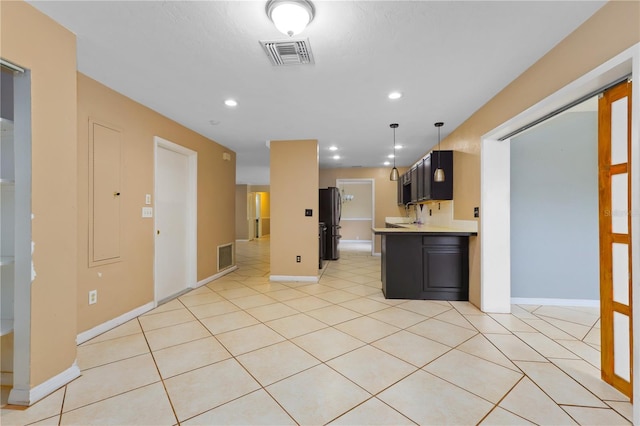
[411, 228]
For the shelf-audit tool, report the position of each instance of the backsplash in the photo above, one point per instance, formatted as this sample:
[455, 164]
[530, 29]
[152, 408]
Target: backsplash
[441, 215]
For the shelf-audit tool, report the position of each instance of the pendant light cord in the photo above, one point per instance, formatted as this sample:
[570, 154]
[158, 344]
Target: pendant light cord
[439, 150]
[394, 147]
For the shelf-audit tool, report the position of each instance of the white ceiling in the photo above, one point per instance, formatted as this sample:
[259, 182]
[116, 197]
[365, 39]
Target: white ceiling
[183, 59]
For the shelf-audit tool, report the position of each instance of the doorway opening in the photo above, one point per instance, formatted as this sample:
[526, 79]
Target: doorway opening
[358, 213]
[554, 211]
[495, 227]
[15, 226]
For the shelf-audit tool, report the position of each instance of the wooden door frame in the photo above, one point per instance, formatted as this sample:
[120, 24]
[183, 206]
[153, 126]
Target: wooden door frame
[607, 237]
[495, 169]
[192, 211]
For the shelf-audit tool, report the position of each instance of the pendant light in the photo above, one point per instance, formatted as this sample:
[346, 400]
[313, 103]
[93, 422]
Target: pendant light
[438, 175]
[394, 172]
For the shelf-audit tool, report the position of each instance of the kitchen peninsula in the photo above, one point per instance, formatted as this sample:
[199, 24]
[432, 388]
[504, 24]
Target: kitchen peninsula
[421, 261]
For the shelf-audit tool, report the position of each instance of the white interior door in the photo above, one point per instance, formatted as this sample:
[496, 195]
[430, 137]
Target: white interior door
[174, 220]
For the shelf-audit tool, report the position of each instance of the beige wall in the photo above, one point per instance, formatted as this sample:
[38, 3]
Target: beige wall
[356, 230]
[128, 284]
[386, 191]
[35, 42]
[361, 204]
[608, 32]
[294, 188]
[242, 225]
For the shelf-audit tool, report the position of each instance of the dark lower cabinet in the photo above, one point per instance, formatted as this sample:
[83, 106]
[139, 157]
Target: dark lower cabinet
[432, 267]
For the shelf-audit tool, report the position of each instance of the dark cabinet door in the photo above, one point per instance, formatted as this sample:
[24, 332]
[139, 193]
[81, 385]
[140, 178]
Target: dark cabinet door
[420, 180]
[400, 189]
[414, 184]
[441, 190]
[445, 268]
[426, 177]
[401, 266]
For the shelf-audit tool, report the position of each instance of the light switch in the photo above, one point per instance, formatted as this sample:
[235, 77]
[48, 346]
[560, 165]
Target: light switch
[147, 199]
[147, 212]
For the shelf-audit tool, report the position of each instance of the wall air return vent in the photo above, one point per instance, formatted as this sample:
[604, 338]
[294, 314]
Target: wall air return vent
[225, 256]
[288, 52]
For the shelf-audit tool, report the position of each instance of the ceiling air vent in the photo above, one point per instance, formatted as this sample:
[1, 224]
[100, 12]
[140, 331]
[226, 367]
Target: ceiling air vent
[288, 52]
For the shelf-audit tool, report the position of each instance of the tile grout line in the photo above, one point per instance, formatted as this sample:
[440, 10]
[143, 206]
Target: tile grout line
[164, 386]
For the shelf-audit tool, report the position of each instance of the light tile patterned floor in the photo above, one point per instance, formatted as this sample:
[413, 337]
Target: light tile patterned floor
[243, 350]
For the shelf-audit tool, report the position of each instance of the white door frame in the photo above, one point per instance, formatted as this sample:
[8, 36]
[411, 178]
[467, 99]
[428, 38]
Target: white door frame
[495, 170]
[192, 210]
[373, 203]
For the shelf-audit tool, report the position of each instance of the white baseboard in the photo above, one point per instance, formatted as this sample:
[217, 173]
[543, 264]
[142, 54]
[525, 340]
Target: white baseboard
[6, 378]
[293, 278]
[242, 241]
[355, 241]
[588, 303]
[35, 394]
[216, 276]
[106, 326]
[377, 254]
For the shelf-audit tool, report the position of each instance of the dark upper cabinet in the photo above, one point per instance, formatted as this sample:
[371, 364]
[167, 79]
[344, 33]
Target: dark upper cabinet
[418, 185]
[420, 177]
[414, 184]
[426, 181]
[404, 189]
[438, 190]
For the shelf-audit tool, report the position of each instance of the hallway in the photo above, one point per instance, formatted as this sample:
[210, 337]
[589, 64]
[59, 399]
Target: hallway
[243, 350]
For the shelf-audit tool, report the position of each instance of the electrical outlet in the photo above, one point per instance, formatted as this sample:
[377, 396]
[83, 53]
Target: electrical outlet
[298, 259]
[93, 297]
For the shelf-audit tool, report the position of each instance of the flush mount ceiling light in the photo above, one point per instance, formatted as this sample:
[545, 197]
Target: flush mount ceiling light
[290, 16]
[336, 157]
[230, 103]
[395, 95]
[394, 172]
[333, 148]
[438, 175]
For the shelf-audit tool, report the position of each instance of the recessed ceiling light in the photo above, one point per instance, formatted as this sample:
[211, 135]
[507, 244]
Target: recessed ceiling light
[336, 157]
[386, 163]
[333, 148]
[390, 156]
[395, 95]
[398, 146]
[230, 102]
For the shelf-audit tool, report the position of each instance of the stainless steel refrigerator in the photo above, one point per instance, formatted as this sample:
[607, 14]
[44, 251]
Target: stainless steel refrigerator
[330, 205]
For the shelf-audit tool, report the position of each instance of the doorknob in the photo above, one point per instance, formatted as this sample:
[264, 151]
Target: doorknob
[158, 232]
[116, 194]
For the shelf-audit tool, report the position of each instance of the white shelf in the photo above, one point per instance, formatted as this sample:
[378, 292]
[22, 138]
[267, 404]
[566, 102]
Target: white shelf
[6, 327]
[6, 260]
[6, 125]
